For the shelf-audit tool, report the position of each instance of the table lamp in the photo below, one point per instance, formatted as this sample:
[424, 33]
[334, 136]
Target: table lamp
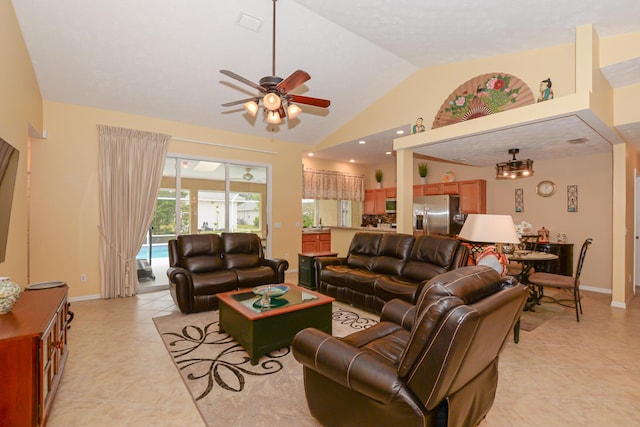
[486, 228]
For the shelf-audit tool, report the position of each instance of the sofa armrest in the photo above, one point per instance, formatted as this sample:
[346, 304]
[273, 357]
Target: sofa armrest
[183, 282]
[347, 365]
[279, 266]
[399, 312]
[323, 261]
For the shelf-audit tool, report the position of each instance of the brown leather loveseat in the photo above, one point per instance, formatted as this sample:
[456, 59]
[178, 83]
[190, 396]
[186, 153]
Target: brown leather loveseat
[203, 265]
[380, 267]
[430, 364]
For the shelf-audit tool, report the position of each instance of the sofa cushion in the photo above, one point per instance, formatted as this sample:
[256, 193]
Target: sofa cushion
[363, 249]
[362, 281]
[391, 287]
[250, 277]
[214, 282]
[335, 275]
[241, 250]
[392, 254]
[200, 253]
[430, 256]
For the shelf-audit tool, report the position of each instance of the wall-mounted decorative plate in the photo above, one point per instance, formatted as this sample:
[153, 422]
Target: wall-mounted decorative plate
[448, 177]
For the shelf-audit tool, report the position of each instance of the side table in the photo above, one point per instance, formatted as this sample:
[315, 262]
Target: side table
[307, 269]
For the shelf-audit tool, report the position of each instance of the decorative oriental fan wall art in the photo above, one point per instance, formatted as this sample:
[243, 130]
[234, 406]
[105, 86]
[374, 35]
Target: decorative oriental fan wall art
[483, 95]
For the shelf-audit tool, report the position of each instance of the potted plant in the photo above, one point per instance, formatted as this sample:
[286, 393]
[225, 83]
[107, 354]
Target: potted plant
[379, 177]
[422, 170]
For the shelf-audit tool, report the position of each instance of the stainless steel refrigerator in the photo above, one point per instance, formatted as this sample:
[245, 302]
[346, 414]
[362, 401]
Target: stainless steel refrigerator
[438, 214]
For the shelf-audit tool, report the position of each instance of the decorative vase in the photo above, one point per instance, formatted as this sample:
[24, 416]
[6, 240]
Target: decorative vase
[423, 180]
[379, 185]
[9, 294]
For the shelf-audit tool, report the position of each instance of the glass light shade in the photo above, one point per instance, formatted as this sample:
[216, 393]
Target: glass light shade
[271, 101]
[251, 107]
[273, 117]
[293, 110]
[489, 228]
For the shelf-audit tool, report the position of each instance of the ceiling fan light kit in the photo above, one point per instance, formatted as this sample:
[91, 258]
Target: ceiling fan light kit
[514, 168]
[275, 91]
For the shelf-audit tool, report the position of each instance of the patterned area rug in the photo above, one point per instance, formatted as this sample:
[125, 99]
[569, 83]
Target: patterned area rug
[530, 320]
[226, 388]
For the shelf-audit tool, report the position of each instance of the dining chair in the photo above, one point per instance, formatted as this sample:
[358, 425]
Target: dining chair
[571, 283]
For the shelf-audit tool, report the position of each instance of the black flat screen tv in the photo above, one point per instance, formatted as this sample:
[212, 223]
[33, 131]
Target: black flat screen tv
[8, 170]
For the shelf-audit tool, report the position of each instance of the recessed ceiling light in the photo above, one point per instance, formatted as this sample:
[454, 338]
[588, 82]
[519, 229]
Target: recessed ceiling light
[400, 132]
[352, 161]
[310, 154]
[388, 153]
[362, 141]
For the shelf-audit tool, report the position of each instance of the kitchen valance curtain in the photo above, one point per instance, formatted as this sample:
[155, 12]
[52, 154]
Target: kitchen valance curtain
[332, 185]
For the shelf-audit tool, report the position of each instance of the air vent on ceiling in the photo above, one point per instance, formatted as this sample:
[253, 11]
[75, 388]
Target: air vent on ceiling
[249, 22]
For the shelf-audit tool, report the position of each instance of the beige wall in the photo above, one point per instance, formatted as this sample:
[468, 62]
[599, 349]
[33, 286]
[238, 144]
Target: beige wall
[422, 94]
[65, 216]
[20, 106]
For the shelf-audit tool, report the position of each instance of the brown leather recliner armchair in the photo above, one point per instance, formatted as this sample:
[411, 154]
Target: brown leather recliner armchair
[430, 364]
[203, 265]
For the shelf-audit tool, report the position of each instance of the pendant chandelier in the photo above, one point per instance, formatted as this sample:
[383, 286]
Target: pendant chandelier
[514, 168]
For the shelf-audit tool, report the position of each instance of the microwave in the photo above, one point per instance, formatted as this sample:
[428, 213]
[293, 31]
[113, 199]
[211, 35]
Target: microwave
[390, 206]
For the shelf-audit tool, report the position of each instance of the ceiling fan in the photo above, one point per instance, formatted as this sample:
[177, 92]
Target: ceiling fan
[275, 92]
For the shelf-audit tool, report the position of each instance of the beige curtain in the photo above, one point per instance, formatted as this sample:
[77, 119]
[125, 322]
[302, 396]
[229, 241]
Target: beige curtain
[129, 169]
[332, 185]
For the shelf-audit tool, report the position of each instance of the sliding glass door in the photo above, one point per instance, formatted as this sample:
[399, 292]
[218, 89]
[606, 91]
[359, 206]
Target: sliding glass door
[202, 196]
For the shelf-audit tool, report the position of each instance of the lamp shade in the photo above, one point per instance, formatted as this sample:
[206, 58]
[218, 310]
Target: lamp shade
[273, 117]
[293, 111]
[271, 101]
[489, 228]
[251, 107]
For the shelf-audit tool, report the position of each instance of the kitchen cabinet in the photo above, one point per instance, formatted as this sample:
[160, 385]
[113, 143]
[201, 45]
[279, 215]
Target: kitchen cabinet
[316, 242]
[418, 190]
[374, 201]
[391, 192]
[33, 353]
[473, 196]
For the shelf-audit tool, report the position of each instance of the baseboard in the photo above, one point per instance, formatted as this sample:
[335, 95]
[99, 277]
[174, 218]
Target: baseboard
[84, 298]
[595, 289]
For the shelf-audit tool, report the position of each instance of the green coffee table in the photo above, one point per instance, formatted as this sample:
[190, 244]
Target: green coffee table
[260, 331]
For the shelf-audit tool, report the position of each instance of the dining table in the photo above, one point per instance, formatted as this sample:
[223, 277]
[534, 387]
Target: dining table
[529, 260]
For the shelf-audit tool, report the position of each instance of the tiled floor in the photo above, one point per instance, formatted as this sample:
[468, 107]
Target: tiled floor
[562, 374]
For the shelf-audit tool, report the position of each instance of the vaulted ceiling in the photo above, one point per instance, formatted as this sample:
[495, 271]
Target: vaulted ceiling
[161, 58]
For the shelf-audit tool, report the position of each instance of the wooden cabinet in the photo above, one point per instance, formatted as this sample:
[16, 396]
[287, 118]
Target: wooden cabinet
[369, 202]
[391, 192]
[33, 352]
[473, 196]
[374, 201]
[316, 242]
[418, 190]
[306, 267]
[563, 265]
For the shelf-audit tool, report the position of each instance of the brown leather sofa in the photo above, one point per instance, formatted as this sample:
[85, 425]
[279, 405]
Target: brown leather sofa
[203, 265]
[380, 267]
[430, 364]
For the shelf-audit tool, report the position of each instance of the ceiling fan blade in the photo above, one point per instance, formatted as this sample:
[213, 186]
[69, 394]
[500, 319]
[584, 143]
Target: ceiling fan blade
[241, 101]
[281, 112]
[243, 80]
[316, 102]
[293, 81]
